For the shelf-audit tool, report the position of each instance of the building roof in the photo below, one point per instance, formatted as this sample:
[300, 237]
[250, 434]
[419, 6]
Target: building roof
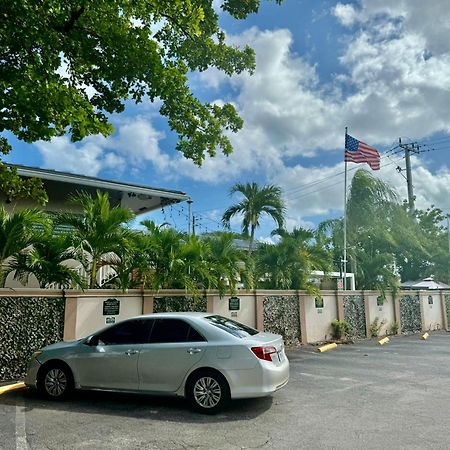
[139, 198]
[426, 283]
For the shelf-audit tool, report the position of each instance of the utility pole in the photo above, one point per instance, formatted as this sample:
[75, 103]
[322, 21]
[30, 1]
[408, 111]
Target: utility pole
[190, 217]
[408, 149]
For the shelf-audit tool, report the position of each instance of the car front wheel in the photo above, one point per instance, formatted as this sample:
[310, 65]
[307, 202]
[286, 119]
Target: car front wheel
[55, 381]
[208, 392]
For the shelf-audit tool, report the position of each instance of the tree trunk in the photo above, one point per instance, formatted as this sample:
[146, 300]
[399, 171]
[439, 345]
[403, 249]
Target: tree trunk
[93, 274]
[252, 237]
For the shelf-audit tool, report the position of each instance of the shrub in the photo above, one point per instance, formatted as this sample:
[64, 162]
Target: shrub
[340, 329]
[375, 327]
[393, 329]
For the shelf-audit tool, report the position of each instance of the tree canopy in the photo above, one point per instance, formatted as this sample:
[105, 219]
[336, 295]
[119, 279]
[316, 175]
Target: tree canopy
[385, 244]
[257, 201]
[65, 66]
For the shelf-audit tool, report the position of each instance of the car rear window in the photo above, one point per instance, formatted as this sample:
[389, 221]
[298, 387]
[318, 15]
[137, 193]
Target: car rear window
[230, 326]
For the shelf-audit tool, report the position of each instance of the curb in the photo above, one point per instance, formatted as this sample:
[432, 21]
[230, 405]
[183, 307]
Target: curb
[12, 387]
[327, 347]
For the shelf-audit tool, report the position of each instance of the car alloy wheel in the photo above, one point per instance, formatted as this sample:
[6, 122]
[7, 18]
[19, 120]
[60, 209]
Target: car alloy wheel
[55, 382]
[208, 392]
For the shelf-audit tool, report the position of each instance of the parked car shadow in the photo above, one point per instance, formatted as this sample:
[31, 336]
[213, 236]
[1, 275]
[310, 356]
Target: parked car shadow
[171, 409]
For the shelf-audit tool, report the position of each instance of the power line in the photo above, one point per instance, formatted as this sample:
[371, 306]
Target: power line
[294, 192]
[437, 141]
[340, 173]
[291, 191]
[288, 192]
[324, 188]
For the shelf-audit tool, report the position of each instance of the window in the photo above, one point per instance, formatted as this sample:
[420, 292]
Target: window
[318, 302]
[134, 331]
[174, 330]
[430, 300]
[230, 326]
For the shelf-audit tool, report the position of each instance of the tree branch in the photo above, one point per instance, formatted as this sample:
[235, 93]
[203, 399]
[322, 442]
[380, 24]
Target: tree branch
[70, 23]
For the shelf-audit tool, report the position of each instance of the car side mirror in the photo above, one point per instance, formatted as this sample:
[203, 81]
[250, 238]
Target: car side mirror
[92, 341]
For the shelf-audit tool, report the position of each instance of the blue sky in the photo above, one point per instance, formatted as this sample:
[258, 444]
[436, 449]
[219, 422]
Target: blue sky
[379, 67]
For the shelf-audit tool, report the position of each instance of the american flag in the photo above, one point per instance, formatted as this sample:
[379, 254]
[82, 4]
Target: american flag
[359, 152]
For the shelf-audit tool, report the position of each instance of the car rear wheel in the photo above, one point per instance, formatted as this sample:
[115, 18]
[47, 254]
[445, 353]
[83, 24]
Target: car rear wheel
[55, 381]
[208, 392]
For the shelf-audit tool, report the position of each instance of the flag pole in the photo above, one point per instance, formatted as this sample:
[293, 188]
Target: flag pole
[345, 218]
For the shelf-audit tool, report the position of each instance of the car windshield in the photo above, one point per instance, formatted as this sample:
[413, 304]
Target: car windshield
[235, 328]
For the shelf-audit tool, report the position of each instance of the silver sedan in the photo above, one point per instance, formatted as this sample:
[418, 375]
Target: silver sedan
[208, 359]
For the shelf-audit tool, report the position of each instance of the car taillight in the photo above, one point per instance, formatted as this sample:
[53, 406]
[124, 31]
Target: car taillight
[264, 353]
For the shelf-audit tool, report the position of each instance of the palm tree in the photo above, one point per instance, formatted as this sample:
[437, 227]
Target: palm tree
[17, 233]
[258, 201]
[128, 261]
[289, 263]
[98, 231]
[161, 248]
[195, 271]
[227, 262]
[45, 260]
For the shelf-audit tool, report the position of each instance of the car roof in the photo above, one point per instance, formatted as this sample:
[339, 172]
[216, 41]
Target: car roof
[178, 314]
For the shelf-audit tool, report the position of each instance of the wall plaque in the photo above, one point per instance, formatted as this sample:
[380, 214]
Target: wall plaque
[111, 307]
[234, 304]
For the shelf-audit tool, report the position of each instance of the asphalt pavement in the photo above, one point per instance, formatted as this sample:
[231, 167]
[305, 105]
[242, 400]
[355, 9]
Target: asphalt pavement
[358, 396]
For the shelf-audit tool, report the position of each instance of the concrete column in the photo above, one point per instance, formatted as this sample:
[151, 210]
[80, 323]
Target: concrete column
[397, 313]
[340, 306]
[444, 311]
[259, 312]
[422, 311]
[210, 303]
[70, 318]
[302, 309]
[366, 313]
[147, 304]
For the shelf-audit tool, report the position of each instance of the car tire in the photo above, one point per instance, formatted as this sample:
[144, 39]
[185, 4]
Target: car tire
[208, 392]
[55, 381]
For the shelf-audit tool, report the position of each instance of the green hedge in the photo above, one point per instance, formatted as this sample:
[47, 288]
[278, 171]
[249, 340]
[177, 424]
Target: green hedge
[410, 316]
[282, 316]
[176, 304]
[355, 315]
[26, 325]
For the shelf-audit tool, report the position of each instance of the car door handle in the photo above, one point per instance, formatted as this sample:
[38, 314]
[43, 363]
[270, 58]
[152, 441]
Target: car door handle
[193, 351]
[131, 352]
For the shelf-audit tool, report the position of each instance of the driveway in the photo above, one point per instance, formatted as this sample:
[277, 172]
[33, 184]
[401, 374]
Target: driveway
[360, 396]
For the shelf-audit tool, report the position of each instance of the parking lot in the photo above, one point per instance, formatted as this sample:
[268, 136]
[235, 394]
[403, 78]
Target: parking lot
[354, 397]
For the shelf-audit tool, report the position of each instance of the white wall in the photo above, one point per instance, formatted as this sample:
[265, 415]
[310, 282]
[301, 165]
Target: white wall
[90, 312]
[432, 313]
[385, 313]
[318, 320]
[246, 313]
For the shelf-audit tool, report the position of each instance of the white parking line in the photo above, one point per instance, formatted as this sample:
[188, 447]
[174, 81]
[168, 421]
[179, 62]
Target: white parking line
[21, 434]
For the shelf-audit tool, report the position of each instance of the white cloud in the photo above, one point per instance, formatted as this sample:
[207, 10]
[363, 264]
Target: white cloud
[135, 143]
[138, 141]
[346, 14]
[61, 154]
[430, 188]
